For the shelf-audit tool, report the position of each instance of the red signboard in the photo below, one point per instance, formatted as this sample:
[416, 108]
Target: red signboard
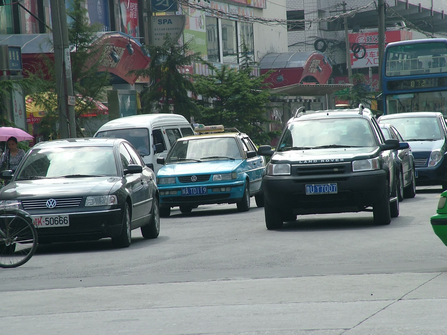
[129, 17]
[364, 50]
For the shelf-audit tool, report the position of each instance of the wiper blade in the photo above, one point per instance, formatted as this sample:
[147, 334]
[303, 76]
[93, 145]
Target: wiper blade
[218, 157]
[81, 175]
[31, 178]
[333, 146]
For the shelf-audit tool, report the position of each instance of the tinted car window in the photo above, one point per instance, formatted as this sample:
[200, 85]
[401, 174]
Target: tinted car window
[187, 131]
[56, 162]
[173, 134]
[157, 136]
[125, 157]
[136, 158]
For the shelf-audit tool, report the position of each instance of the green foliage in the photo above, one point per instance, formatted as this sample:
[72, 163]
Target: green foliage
[235, 98]
[359, 93]
[168, 86]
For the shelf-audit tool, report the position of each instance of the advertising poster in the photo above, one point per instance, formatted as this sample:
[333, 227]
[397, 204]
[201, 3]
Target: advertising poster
[364, 50]
[98, 12]
[30, 22]
[129, 17]
[195, 30]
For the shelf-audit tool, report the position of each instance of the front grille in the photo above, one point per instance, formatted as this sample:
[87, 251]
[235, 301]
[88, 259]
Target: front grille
[420, 162]
[200, 178]
[60, 203]
[317, 169]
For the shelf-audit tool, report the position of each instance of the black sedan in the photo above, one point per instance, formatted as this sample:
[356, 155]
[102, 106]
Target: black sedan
[85, 189]
[404, 162]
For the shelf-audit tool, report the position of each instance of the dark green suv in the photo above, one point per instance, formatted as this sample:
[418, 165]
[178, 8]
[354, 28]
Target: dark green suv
[331, 161]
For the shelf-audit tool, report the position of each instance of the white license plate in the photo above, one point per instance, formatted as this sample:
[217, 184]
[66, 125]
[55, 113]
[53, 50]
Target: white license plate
[51, 221]
[196, 190]
[316, 189]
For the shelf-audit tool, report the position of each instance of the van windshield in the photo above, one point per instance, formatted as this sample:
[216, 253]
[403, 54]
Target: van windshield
[138, 137]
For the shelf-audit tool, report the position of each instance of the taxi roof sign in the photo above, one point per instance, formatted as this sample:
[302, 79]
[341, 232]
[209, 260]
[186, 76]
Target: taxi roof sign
[209, 129]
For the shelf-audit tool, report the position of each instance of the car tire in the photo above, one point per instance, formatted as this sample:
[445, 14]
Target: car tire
[244, 204]
[185, 209]
[259, 198]
[381, 208]
[165, 212]
[152, 229]
[410, 190]
[273, 218]
[394, 204]
[124, 239]
[400, 186]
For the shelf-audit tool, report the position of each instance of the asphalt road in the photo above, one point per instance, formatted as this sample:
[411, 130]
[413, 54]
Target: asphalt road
[218, 271]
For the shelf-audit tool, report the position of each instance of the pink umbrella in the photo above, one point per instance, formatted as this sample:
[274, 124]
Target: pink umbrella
[19, 134]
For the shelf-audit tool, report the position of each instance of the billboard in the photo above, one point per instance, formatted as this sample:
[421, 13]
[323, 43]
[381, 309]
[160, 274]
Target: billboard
[129, 17]
[364, 49]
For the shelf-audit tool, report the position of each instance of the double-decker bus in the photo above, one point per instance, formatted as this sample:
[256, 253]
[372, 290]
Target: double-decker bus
[414, 76]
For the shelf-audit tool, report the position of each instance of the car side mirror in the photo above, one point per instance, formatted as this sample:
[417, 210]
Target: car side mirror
[265, 150]
[161, 160]
[403, 145]
[133, 168]
[390, 145]
[251, 154]
[6, 174]
[159, 148]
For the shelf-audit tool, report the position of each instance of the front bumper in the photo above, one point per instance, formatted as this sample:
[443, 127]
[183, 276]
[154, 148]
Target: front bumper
[439, 225]
[427, 176]
[215, 194]
[355, 193]
[88, 225]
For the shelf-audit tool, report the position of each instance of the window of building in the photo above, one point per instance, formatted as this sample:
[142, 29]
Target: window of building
[212, 36]
[229, 42]
[292, 20]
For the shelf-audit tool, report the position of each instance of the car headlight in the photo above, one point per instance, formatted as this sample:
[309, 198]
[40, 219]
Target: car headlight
[441, 203]
[10, 204]
[101, 200]
[166, 180]
[278, 169]
[366, 165]
[435, 158]
[225, 176]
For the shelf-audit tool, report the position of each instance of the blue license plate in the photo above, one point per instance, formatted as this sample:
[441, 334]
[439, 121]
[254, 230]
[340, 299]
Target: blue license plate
[316, 189]
[196, 190]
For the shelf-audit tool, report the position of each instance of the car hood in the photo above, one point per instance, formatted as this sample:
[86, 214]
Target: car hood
[417, 146]
[59, 187]
[325, 155]
[199, 167]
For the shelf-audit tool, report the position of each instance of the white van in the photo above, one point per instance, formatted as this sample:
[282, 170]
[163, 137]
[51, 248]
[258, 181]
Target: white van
[151, 134]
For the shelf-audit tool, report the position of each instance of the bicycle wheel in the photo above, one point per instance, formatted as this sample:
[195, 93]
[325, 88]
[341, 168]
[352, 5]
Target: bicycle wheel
[18, 238]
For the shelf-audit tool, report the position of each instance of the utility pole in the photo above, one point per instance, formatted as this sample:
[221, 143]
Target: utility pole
[64, 82]
[381, 40]
[348, 47]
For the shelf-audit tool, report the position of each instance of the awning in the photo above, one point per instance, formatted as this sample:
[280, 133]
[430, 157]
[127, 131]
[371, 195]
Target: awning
[128, 53]
[308, 90]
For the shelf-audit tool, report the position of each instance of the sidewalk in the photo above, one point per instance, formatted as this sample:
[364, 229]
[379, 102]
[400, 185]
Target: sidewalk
[405, 303]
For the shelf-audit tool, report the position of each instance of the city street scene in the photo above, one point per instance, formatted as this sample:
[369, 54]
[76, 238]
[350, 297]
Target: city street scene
[223, 167]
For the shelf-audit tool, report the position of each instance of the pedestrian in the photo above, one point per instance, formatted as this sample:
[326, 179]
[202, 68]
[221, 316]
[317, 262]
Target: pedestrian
[12, 156]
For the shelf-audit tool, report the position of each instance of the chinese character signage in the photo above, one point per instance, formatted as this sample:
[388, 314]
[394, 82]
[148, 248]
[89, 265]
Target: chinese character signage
[129, 17]
[172, 25]
[15, 58]
[364, 49]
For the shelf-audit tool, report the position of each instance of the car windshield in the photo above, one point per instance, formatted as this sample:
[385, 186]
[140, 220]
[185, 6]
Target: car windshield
[417, 128]
[139, 137]
[201, 149]
[327, 133]
[69, 163]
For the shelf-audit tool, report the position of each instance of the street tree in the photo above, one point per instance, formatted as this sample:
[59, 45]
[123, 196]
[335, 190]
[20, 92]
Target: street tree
[234, 97]
[169, 89]
[88, 83]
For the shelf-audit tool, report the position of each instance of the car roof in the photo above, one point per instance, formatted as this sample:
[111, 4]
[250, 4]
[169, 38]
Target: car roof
[409, 114]
[79, 142]
[214, 135]
[332, 113]
[142, 120]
